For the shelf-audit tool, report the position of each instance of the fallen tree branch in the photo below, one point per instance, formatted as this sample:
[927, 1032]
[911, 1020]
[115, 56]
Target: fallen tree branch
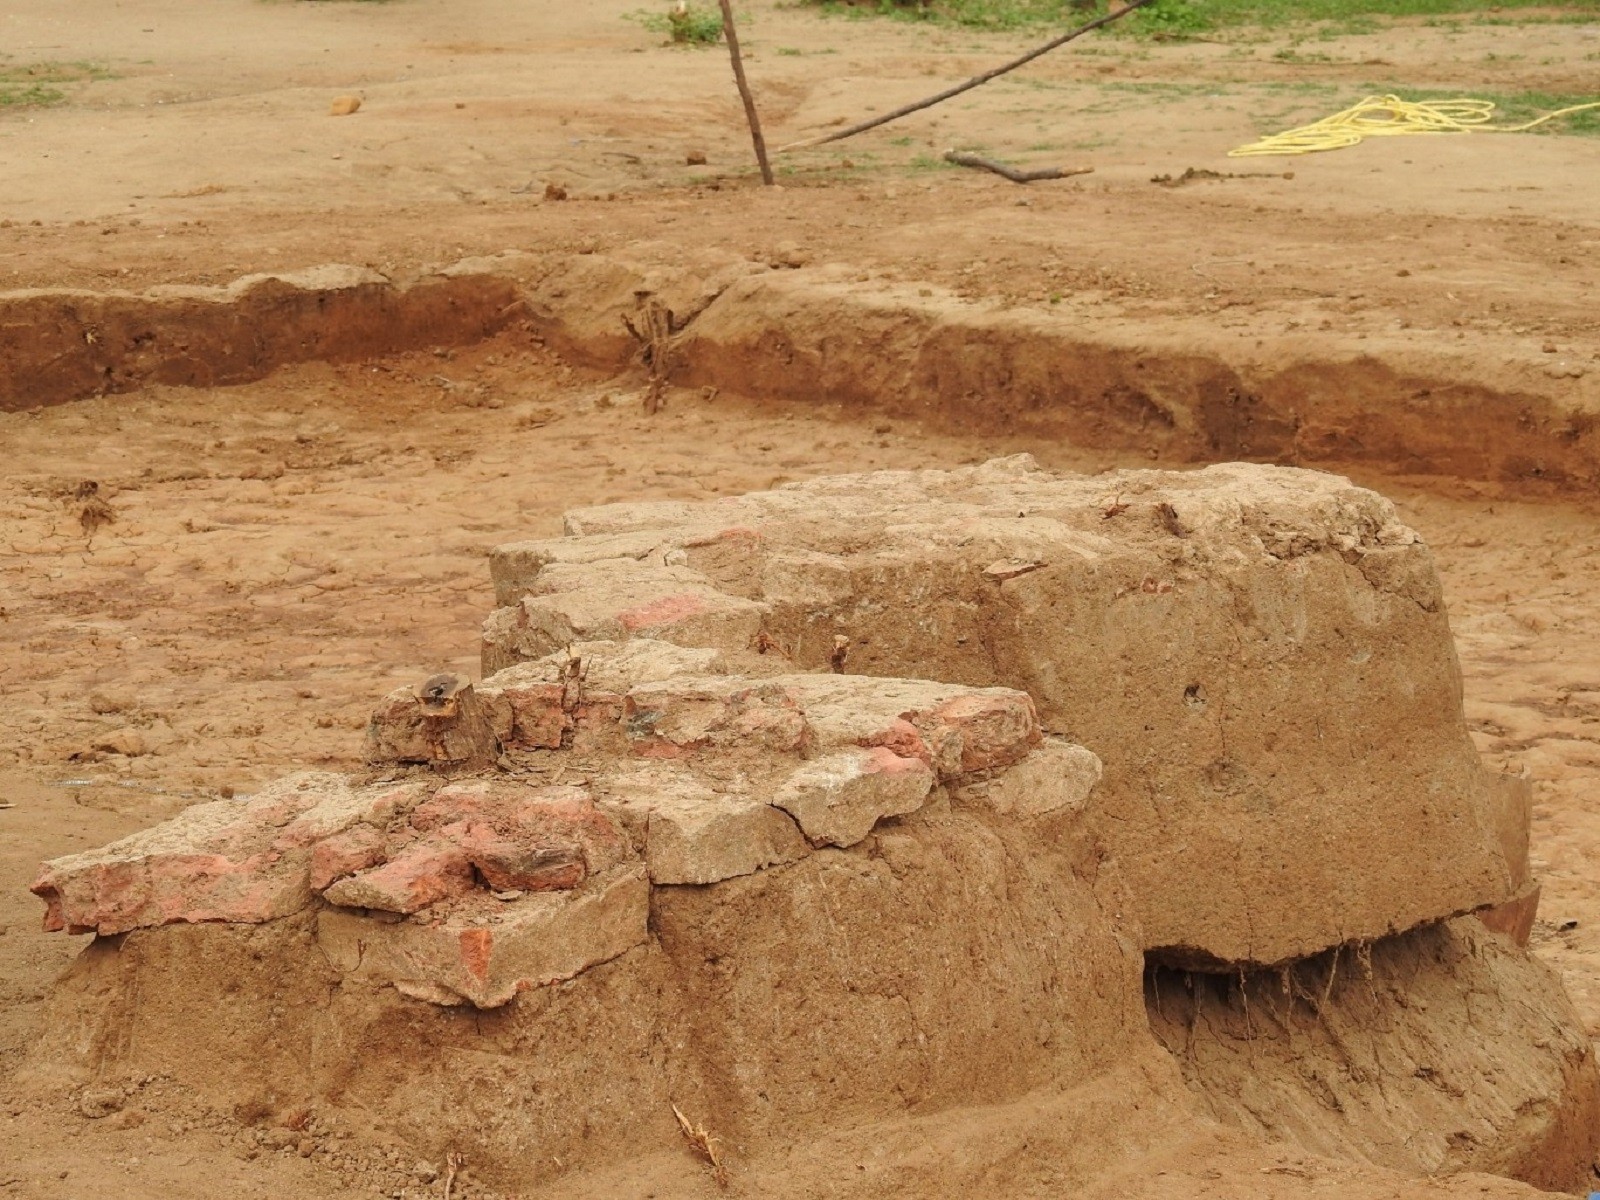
[975, 81]
[962, 159]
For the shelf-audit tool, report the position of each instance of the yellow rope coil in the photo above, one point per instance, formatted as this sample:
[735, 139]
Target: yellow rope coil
[1390, 116]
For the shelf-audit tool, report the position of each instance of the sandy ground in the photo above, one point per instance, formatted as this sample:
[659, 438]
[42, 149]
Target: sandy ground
[285, 551]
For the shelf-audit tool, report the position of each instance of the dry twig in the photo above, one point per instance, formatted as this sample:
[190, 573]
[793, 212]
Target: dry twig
[704, 1144]
[841, 651]
[452, 1163]
[962, 159]
[93, 511]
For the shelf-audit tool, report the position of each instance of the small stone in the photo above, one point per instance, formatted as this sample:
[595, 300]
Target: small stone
[788, 254]
[695, 158]
[343, 106]
[554, 191]
[112, 700]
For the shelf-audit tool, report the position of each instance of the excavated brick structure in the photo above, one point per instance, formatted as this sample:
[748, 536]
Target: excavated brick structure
[712, 824]
[1259, 655]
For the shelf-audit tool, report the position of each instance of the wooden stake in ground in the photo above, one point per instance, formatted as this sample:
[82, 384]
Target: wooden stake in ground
[756, 139]
[975, 81]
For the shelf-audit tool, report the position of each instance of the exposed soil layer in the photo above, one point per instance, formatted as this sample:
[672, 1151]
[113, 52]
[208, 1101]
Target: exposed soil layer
[1277, 1052]
[58, 345]
[1166, 389]
[238, 713]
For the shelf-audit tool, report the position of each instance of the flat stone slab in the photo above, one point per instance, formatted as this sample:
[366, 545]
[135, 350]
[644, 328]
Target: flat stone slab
[698, 831]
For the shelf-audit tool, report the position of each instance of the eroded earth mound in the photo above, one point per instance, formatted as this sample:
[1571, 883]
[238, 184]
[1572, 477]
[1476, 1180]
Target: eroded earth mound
[844, 806]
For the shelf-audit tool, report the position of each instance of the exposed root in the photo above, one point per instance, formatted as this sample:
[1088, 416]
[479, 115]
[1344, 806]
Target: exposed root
[654, 335]
[93, 511]
[1327, 988]
[452, 1164]
[704, 1144]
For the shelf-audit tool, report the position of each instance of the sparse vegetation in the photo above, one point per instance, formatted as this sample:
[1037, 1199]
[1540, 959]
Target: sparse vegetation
[1515, 108]
[1178, 19]
[40, 84]
[683, 24]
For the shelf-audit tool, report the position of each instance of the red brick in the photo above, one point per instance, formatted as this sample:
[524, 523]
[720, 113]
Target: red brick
[423, 873]
[345, 853]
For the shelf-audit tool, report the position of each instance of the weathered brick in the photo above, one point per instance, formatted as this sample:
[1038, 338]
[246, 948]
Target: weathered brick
[423, 873]
[838, 798]
[356, 849]
[485, 955]
[213, 862]
[679, 717]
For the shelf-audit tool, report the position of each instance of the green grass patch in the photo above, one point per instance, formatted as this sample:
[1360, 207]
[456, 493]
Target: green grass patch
[1515, 108]
[682, 24]
[40, 84]
[1511, 108]
[1180, 19]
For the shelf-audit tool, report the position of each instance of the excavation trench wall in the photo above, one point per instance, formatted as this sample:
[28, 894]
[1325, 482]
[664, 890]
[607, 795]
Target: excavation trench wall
[1176, 389]
[58, 345]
